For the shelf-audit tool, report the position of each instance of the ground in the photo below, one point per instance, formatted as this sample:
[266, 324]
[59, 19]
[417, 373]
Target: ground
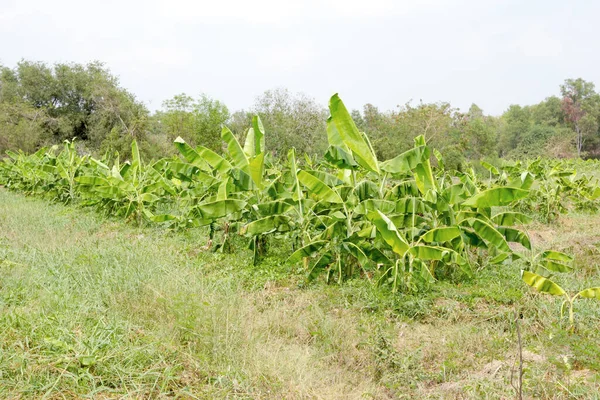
[94, 307]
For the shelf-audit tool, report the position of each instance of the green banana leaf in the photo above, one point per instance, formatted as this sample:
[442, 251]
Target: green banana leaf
[590, 293]
[280, 223]
[556, 261]
[220, 208]
[222, 191]
[255, 139]
[407, 161]
[136, 162]
[510, 218]
[366, 190]
[490, 168]
[557, 256]
[541, 284]
[340, 158]
[358, 253]
[307, 251]
[256, 167]
[318, 188]
[190, 155]
[235, 150]
[488, 233]
[274, 207]
[389, 233]
[515, 236]
[443, 234]
[350, 135]
[367, 206]
[334, 138]
[214, 160]
[323, 262]
[429, 253]
[495, 197]
[92, 181]
[423, 172]
[556, 266]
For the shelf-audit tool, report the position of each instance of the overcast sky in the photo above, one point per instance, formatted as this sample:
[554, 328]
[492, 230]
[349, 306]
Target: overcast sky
[490, 52]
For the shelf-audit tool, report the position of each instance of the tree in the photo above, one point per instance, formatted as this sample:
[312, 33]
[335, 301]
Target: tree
[514, 123]
[431, 120]
[478, 134]
[177, 117]
[210, 116]
[48, 104]
[292, 120]
[383, 130]
[21, 127]
[576, 94]
[475, 112]
[239, 122]
[198, 122]
[534, 142]
[548, 113]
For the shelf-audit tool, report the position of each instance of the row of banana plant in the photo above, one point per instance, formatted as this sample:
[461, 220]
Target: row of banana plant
[403, 223]
[558, 187]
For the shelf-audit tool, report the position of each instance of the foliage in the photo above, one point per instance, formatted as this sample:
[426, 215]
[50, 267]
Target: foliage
[47, 105]
[545, 285]
[43, 105]
[293, 120]
[196, 121]
[94, 307]
[402, 223]
[557, 188]
[579, 104]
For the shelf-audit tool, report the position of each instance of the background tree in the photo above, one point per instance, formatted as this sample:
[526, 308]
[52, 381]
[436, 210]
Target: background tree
[43, 104]
[513, 125]
[478, 133]
[385, 133]
[577, 95]
[197, 121]
[431, 120]
[48, 104]
[292, 120]
[548, 112]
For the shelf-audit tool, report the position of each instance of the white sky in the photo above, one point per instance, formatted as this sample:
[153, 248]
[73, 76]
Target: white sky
[490, 52]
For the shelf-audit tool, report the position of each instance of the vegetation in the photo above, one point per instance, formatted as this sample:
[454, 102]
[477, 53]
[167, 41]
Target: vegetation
[43, 105]
[402, 222]
[393, 224]
[94, 307]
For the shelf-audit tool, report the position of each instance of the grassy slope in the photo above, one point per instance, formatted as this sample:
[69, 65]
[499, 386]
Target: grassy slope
[94, 307]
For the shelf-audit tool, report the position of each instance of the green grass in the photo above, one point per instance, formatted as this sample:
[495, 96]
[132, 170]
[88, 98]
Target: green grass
[92, 307]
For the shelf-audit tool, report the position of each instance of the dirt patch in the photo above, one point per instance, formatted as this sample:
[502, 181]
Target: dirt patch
[529, 356]
[490, 369]
[541, 238]
[584, 375]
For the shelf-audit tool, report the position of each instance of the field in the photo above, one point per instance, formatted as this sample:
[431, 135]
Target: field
[250, 274]
[99, 308]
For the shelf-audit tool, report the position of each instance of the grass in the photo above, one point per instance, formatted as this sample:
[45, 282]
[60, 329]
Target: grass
[92, 307]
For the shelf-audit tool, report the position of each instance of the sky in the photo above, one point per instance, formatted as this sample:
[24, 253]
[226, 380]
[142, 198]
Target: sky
[490, 52]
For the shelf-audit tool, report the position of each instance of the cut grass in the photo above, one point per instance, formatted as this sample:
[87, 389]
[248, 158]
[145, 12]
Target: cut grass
[91, 307]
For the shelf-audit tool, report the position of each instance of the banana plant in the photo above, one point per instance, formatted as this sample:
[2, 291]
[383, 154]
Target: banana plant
[338, 244]
[408, 266]
[68, 167]
[131, 189]
[545, 285]
[400, 222]
[547, 262]
[31, 174]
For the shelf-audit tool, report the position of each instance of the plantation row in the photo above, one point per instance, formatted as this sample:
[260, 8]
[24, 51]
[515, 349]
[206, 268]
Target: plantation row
[402, 223]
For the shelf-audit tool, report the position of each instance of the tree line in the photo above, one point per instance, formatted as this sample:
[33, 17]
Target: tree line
[43, 104]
